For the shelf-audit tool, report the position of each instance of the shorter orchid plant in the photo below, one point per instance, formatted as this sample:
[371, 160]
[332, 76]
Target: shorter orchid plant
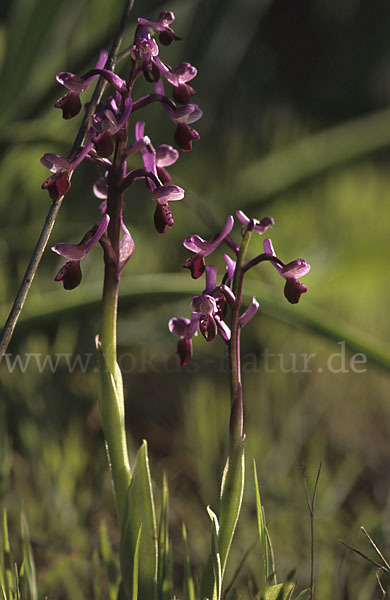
[218, 310]
[209, 311]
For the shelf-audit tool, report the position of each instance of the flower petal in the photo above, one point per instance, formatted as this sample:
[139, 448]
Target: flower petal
[296, 268]
[70, 274]
[166, 155]
[293, 290]
[249, 313]
[78, 251]
[167, 193]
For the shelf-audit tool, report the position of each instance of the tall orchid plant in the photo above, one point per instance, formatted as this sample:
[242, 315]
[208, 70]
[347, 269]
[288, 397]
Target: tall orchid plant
[114, 133]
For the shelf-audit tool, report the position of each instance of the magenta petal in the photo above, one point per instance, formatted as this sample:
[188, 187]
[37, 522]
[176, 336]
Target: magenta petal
[78, 251]
[184, 350]
[269, 249]
[196, 265]
[293, 290]
[211, 279]
[178, 326]
[70, 104]
[71, 251]
[166, 155]
[163, 217]
[230, 267]
[168, 193]
[139, 130]
[70, 274]
[196, 244]
[295, 268]
[184, 135]
[249, 313]
[57, 185]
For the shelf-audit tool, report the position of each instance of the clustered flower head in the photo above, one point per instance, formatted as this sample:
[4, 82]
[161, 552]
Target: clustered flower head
[210, 309]
[108, 127]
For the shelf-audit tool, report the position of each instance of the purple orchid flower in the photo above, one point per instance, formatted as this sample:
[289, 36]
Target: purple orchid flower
[293, 288]
[203, 248]
[167, 35]
[162, 215]
[155, 160]
[105, 123]
[211, 305]
[185, 329]
[70, 103]
[70, 273]
[58, 184]
[254, 224]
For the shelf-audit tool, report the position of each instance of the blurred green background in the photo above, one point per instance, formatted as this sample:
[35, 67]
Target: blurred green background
[296, 126]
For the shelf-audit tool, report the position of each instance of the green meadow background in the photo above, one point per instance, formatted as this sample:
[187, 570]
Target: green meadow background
[296, 126]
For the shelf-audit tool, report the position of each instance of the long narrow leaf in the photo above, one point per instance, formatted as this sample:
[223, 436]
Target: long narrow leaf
[312, 155]
[108, 556]
[136, 565]
[140, 510]
[9, 587]
[188, 583]
[261, 527]
[231, 499]
[215, 555]
[28, 562]
[164, 579]
[111, 405]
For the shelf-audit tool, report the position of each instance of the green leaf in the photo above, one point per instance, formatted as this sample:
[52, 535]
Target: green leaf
[136, 565]
[111, 405]
[231, 498]
[140, 510]
[188, 583]
[7, 577]
[164, 578]
[261, 527]
[109, 560]
[282, 591]
[215, 555]
[30, 578]
[304, 595]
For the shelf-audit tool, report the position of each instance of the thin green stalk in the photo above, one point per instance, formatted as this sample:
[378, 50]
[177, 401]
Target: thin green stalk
[111, 388]
[236, 415]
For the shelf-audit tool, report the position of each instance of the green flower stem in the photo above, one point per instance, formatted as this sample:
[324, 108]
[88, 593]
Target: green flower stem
[236, 414]
[111, 396]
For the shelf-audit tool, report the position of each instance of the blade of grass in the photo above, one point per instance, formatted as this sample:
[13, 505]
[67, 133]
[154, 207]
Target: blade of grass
[28, 561]
[312, 155]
